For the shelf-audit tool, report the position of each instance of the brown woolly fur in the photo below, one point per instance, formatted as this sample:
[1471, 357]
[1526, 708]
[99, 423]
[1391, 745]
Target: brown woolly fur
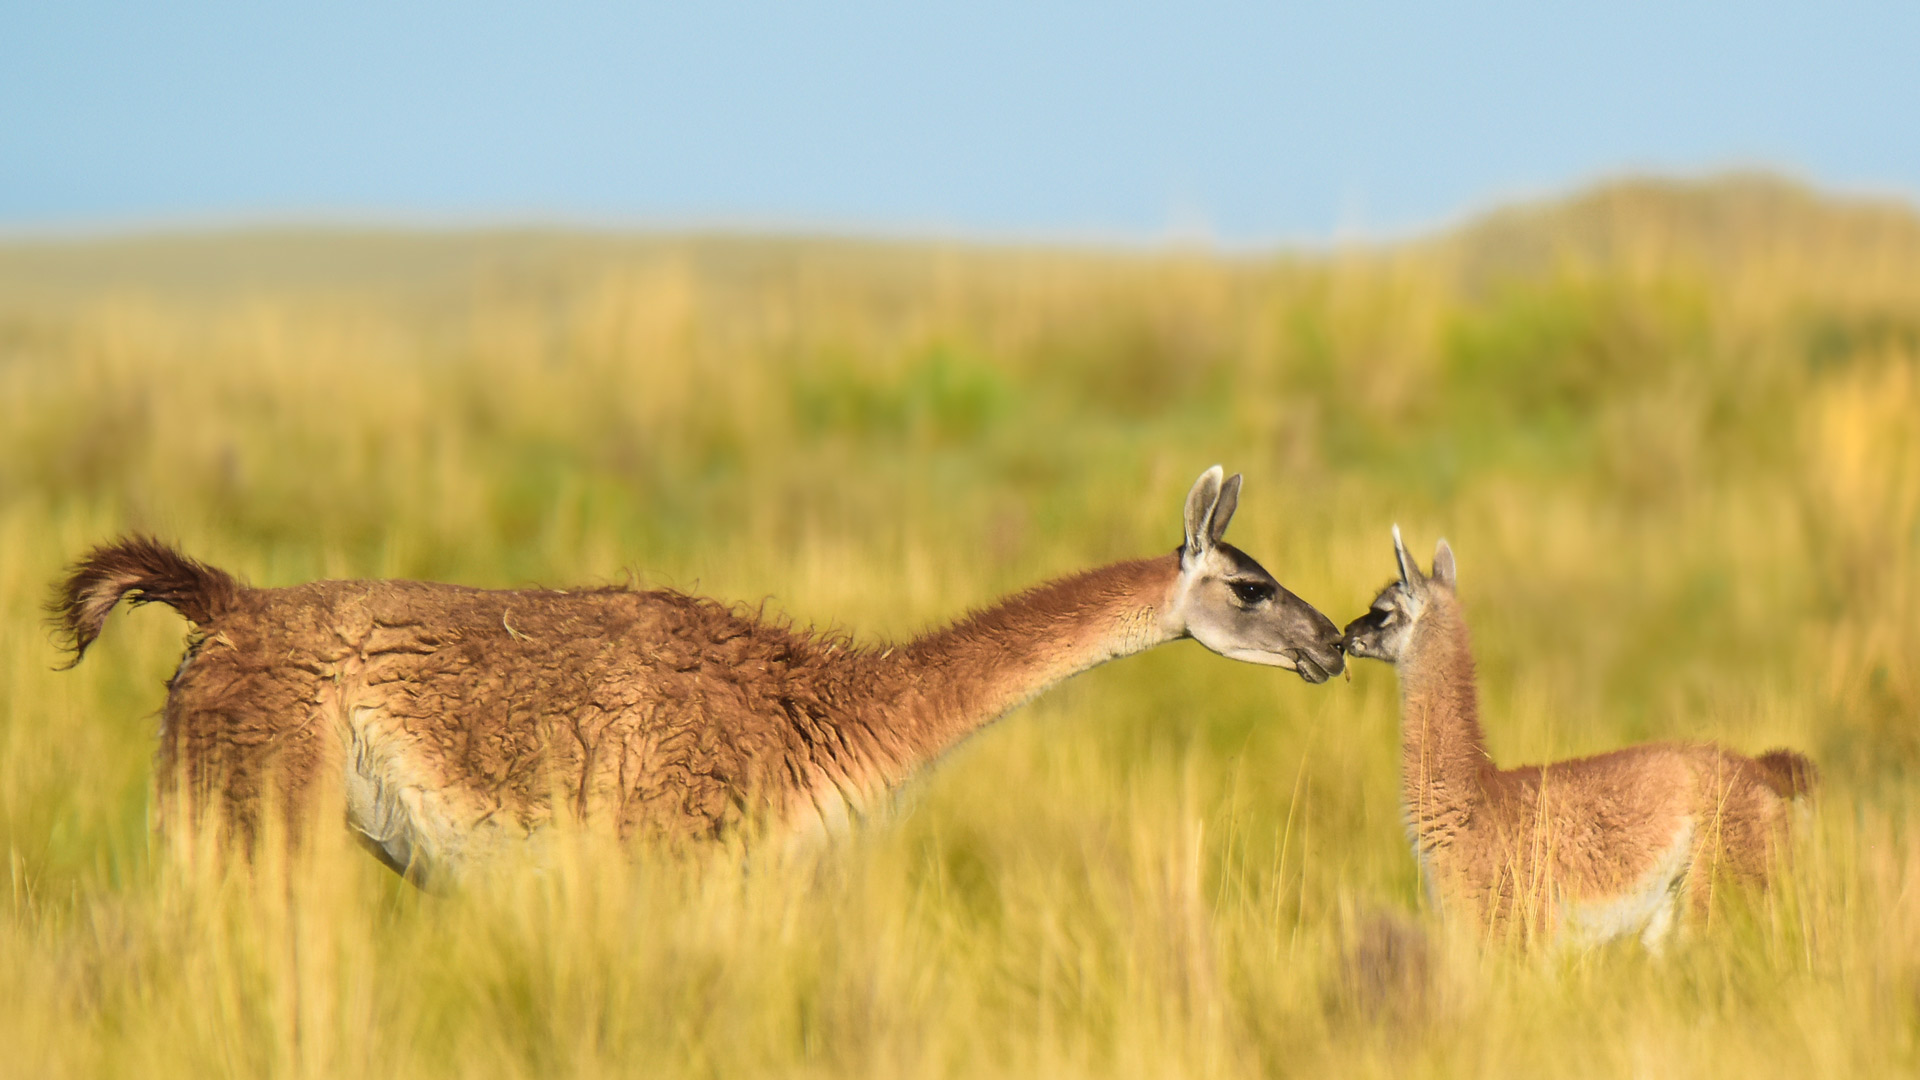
[1580, 851]
[447, 721]
[146, 571]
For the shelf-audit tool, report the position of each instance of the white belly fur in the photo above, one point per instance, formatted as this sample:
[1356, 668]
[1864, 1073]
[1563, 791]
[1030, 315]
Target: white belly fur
[396, 810]
[1648, 907]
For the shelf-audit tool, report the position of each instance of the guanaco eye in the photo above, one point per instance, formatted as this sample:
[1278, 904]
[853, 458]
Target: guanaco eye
[1251, 592]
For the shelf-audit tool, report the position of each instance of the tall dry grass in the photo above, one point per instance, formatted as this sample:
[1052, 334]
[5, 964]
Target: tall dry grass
[1670, 430]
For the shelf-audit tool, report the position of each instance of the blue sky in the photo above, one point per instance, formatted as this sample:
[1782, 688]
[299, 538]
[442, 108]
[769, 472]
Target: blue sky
[1246, 124]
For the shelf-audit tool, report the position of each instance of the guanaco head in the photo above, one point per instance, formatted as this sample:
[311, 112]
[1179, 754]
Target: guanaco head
[1382, 633]
[1230, 604]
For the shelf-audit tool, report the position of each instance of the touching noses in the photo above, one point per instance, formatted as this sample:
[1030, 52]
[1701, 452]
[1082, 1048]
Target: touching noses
[1324, 657]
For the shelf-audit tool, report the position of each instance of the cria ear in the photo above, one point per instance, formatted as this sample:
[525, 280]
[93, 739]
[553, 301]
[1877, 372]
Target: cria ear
[1410, 574]
[1223, 511]
[1202, 502]
[1443, 572]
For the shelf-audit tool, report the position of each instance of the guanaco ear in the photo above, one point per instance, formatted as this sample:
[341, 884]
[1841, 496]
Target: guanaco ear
[1410, 574]
[1223, 511]
[1443, 572]
[1202, 503]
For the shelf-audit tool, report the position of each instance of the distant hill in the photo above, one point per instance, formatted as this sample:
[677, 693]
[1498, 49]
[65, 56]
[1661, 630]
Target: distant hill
[1717, 223]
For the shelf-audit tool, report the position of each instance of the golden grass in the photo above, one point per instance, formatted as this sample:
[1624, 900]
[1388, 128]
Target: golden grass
[1670, 431]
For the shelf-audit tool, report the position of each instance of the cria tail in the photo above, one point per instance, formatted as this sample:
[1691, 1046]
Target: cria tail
[146, 571]
[1790, 773]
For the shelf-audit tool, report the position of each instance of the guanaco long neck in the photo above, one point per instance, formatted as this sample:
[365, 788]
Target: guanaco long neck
[1444, 762]
[933, 693]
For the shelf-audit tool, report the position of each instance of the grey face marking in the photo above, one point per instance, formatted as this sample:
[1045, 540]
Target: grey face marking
[1249, 582]
[1238, 610]
[1230, 604]
[1383, 631]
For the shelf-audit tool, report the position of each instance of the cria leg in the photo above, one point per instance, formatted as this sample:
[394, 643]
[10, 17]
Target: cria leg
[1660, 927]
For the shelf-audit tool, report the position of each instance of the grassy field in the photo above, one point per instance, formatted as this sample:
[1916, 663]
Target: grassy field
[1672, 431]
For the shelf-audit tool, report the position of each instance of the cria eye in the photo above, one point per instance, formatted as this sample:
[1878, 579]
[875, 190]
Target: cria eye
[1251, 592]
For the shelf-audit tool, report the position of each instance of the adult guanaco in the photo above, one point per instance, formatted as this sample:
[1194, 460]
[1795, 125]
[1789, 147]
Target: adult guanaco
[444, 722]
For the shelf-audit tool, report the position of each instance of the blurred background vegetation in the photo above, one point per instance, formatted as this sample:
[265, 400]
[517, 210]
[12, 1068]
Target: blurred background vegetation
[1670, 429]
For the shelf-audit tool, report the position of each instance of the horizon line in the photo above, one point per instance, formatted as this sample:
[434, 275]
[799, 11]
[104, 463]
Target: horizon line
[1197, 236]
